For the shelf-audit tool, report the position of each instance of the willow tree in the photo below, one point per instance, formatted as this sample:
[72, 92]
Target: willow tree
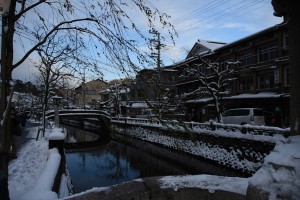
[107, 28]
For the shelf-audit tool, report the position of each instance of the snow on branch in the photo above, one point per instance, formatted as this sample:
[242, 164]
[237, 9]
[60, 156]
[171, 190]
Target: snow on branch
[213, 77]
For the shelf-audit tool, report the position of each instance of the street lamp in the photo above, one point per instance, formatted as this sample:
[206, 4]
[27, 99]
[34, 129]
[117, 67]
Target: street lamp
[56, 101]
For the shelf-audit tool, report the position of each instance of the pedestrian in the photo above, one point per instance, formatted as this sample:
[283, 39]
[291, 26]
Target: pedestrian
[23, 118]
[277, 118]
[14, 124]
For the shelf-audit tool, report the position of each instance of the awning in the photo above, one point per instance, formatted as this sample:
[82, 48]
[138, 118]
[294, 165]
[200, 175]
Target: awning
[242, 96]
[200, 100]
[258, 95]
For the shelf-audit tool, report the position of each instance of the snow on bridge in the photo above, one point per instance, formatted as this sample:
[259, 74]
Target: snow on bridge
[79, 113]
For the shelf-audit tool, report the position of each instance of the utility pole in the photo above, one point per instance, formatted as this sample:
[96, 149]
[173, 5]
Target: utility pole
[157, 46]
[83, 93]
[83, 88]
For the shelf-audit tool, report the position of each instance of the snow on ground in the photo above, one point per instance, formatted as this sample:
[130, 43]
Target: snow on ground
[280, 174]
[32, 174]
[26, 169]
[36, 164]
[42, 188]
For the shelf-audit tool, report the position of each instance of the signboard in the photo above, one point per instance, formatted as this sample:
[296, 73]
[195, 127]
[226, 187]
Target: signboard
[276, 76]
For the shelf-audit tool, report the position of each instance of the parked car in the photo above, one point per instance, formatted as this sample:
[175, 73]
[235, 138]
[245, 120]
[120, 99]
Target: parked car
[252, 116]
[146, 113]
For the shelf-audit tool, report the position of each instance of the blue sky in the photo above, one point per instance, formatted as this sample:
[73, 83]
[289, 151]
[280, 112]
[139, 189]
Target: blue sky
[216, 20]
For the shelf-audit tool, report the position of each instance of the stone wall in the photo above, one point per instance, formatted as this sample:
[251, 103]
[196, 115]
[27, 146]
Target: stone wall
[150, 189]
[243, 155]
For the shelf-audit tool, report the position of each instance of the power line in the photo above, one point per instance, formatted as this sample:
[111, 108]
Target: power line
[221, 14]
[234, 11]
[199, 11]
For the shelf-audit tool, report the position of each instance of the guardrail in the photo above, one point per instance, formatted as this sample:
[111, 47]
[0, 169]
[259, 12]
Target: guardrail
[209, 126]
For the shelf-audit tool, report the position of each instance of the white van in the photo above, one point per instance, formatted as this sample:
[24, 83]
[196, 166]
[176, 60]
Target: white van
[252, 116]
[146, 113]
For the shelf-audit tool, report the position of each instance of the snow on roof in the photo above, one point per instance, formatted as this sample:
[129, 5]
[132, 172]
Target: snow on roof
[169, 70]
[202, 47]
[139, 105]
[259, 95]
[212, 45]
[200, 100]
[124, 91]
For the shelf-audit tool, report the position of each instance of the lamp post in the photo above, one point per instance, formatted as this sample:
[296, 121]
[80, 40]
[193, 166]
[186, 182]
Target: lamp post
[56, 101]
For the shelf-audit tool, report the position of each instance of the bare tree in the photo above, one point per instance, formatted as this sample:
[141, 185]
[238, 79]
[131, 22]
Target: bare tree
[55, 59]
[213, 77]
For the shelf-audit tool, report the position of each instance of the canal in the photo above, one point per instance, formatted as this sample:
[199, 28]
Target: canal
[113, 163]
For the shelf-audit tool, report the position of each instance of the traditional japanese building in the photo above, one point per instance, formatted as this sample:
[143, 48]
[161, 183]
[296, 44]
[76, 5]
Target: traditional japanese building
[261, 79]
[88, 94]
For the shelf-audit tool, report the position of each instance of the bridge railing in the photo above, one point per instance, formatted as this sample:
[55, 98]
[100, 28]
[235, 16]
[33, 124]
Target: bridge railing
[50, 113]
[208, 126]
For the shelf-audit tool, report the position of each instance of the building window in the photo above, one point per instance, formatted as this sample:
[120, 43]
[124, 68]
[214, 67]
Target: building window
[266, 81]
[90, 92]
[286, 76]
[267, 52]
[246, 84]
[229, 86]
[285, 40]
[141, 93]
[246, 58]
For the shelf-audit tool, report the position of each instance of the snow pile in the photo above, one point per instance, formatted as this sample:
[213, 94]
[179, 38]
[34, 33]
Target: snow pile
[56, 134]
[32, 174]
[279, 177]
[42, 189]
[25, 170]
[209, 182]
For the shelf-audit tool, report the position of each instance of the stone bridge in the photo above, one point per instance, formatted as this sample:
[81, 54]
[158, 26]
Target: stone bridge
[80, 118]
[82, 113]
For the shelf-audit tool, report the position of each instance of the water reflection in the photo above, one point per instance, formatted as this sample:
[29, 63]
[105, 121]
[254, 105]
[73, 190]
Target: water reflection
[74, 135]
[107, 162]
[115, 163]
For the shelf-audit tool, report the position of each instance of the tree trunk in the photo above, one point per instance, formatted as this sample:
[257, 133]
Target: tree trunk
[6, 71]
[290, 10]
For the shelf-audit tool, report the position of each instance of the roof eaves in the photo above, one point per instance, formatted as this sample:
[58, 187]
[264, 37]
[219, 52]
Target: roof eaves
[264, 31]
